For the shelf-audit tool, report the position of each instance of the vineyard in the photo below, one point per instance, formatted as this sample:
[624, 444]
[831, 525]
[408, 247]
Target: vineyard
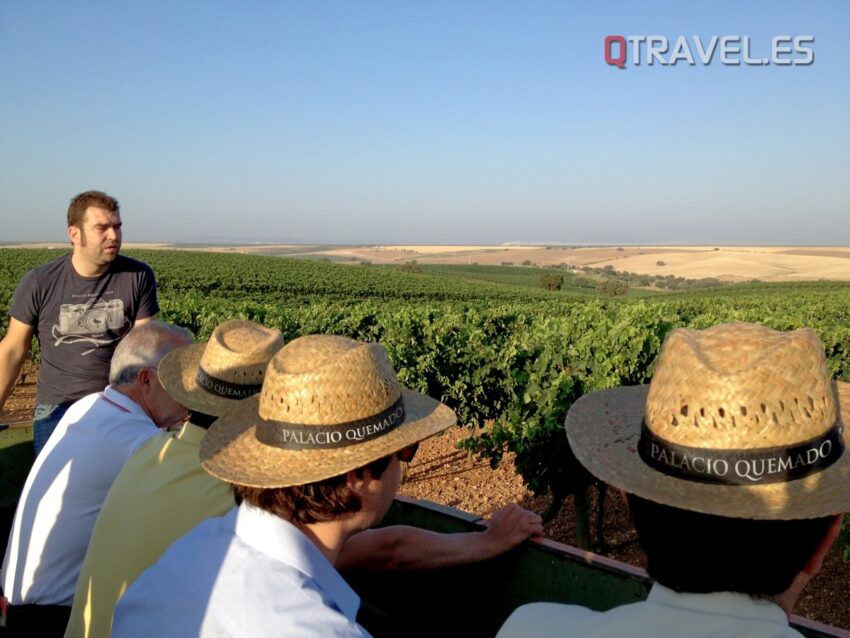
[505, 355]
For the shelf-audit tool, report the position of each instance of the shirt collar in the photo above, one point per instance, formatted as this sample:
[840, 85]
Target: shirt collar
[284, 542]
[722, 602]
[121, 401]
[191, 433]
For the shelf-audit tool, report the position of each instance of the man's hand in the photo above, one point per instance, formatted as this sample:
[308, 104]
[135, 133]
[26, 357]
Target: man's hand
[510, 526]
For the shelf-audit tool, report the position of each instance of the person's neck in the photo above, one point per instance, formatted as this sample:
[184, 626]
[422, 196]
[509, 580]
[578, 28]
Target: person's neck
[85, 268]
[131, 391]
[328, 536]
[789, 597]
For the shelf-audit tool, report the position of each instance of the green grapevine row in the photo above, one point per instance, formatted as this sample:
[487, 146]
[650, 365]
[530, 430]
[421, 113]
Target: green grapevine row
[510, 357]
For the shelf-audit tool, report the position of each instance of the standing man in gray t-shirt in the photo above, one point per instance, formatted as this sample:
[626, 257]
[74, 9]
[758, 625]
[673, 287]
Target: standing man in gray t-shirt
[79, 307]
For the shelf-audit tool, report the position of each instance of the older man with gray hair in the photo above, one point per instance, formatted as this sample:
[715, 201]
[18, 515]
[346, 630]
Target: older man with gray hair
[69, 481]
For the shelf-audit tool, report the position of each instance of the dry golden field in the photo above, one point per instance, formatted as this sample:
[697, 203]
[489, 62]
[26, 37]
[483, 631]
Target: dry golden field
[728, 263]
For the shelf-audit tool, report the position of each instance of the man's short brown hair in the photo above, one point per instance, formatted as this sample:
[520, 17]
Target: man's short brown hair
[312, 503]
[97, 199]
[701, 553]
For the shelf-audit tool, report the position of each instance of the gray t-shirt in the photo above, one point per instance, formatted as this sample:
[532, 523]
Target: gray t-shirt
[79, 321]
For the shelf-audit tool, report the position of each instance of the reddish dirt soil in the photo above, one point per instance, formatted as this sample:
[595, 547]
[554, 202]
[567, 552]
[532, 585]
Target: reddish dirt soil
[443, 474]
[21, 402]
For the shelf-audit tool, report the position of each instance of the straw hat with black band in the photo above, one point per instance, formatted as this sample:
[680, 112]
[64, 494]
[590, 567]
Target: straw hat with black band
[328, 405]
[210, 377]
[739, 421]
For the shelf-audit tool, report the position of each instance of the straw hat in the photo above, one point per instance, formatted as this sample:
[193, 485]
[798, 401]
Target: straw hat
[328, 405]
[210, 377]
[739, 421]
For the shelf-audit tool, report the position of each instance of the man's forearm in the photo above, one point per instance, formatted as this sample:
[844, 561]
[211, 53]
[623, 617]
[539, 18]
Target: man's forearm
[10, 368]
[13, 350]
[404, 547]
[143, 321]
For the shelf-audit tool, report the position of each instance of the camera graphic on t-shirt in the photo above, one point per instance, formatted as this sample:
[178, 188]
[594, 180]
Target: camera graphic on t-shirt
[87, 319]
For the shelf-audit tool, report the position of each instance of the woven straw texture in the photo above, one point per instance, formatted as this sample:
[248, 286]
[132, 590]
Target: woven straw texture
[753, 387]
[238, 352]
[318, 380]
[734, 386]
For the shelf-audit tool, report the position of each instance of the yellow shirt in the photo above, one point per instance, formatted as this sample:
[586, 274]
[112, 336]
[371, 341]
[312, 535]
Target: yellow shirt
[160, 494]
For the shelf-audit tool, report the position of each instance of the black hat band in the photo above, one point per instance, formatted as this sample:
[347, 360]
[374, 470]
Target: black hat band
[743, 466]
[297, 436]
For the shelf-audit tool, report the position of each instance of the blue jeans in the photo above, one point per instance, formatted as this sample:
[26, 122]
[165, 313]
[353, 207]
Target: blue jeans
[46, 416]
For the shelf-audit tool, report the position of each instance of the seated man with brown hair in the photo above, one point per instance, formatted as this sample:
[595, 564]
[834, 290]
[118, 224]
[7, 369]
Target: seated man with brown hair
[735, 463]
[315, 460]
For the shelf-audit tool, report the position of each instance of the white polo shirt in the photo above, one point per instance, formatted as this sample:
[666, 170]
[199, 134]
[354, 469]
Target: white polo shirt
[63, 495]
[247, 573]
[664, 613]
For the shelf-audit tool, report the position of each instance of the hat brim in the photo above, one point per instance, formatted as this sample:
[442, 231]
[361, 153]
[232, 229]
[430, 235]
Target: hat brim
[177, 373]
[603, 430]
[231, 452]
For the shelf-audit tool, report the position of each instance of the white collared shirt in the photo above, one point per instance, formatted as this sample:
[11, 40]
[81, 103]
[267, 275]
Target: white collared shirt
[248, 573]
[664, 613]
[63, 494]
[160, 495]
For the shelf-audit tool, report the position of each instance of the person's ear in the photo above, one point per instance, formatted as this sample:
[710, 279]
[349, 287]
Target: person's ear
[816, 561]
[74, 234]
[146, 377]
[360, 481]
[357, 484]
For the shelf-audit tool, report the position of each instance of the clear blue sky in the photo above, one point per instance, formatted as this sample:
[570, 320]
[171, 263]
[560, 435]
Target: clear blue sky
[422, 122]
